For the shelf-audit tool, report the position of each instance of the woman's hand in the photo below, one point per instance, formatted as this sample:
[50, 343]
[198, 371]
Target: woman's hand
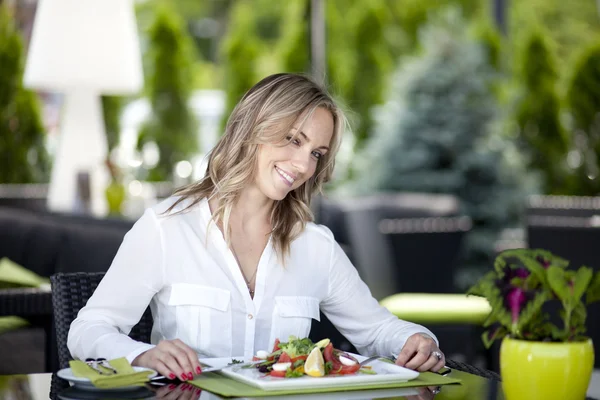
[421, 353]
[172, 359]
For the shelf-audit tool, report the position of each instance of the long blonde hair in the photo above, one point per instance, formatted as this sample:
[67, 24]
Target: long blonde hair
[266, 114]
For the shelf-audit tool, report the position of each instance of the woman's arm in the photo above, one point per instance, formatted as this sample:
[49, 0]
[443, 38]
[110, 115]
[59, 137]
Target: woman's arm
[135, 275]
[371, 328]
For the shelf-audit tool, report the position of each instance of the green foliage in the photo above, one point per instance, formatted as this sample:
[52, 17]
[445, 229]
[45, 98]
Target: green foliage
[294, 45]
[583, 98]
[542, 137]
[111, 110]
[171, 125]
[241, 49]
[433, 136]
[569, 26]
[522, 283]
[23, 156]
[373, 63]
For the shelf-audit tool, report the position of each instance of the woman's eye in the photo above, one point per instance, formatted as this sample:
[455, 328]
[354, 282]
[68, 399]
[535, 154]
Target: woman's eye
[293, 140]
[317, 155]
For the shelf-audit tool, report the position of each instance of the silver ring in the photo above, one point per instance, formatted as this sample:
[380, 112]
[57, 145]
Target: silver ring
[438, 354]
[436, 390]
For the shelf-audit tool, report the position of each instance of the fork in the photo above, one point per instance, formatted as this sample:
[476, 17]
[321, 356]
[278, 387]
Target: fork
[373, 358]
[93, 364]
[393, 360]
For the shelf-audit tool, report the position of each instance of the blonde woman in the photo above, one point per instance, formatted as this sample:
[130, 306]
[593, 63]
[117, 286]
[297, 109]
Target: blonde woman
[233, 262]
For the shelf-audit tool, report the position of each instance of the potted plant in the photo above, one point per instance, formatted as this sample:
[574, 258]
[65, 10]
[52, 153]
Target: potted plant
[539, 310]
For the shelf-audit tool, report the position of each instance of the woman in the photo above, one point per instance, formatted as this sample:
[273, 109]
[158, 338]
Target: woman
[233, 262]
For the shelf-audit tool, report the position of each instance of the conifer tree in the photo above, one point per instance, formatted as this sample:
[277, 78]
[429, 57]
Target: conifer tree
[172, 124]
[433, 135]
[23, 156]
[542, 136]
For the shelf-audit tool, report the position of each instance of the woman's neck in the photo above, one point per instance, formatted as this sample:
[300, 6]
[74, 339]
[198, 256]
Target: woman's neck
[252, 210]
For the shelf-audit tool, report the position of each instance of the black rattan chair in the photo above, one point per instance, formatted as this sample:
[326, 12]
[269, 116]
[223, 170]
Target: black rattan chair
[70, 292]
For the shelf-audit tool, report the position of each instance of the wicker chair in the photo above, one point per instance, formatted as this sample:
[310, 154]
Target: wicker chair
[70, 292]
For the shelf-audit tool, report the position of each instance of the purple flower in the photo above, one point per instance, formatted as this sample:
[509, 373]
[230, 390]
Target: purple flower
[515, 298]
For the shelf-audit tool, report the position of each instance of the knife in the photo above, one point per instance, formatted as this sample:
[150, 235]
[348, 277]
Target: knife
[236, 365]
[215, 369]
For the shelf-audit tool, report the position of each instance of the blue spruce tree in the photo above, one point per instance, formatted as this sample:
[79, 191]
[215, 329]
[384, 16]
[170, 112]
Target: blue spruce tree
[434, 135]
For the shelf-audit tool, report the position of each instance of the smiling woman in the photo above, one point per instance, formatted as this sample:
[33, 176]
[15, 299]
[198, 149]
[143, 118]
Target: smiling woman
[239, 249]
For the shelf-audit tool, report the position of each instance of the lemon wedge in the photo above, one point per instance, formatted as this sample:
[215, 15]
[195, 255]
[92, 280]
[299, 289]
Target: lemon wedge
[322, 343]
[314, 364]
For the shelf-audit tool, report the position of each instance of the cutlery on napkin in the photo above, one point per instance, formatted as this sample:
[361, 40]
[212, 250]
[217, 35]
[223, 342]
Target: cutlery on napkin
[125, 376]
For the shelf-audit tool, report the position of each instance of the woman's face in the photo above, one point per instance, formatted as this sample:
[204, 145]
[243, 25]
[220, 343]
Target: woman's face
[283, 167]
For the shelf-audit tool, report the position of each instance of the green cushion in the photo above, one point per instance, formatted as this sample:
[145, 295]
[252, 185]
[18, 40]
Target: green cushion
[11, 323]
[438, 308]
[14, 275]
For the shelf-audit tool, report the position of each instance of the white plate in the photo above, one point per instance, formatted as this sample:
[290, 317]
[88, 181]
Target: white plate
[385, 373]
[85, 383]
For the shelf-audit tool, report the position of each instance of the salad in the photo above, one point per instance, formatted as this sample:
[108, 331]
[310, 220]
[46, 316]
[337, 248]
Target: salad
[298, 357]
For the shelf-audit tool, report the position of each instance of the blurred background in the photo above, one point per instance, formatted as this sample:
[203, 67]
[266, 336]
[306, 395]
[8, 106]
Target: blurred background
[474, 124]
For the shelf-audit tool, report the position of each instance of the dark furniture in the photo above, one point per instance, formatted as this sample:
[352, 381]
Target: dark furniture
[48, 243]
[70, 292]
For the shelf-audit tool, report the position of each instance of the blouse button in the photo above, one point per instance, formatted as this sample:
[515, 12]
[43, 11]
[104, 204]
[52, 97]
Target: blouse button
[250, 316]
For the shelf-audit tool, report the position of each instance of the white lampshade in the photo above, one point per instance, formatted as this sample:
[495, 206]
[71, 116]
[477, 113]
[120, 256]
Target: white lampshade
[83, 49]
[84, 44]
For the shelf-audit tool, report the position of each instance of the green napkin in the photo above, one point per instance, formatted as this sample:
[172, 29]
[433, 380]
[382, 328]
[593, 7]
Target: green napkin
[13, 275]
[228, 387]
[125, 376]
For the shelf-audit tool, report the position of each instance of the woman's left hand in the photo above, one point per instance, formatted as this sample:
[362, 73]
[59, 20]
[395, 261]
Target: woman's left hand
[421, 353]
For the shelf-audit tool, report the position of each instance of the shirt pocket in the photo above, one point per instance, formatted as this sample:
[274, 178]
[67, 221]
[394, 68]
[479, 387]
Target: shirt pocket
[203, 318]
[293, 315]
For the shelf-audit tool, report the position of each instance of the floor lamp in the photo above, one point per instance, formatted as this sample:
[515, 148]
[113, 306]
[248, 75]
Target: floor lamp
[83, 49]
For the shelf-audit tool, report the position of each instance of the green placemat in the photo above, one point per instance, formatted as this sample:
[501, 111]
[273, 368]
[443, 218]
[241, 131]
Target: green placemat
[228, 387]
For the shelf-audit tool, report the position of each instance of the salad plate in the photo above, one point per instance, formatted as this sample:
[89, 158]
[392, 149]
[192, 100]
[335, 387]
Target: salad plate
[383, 373]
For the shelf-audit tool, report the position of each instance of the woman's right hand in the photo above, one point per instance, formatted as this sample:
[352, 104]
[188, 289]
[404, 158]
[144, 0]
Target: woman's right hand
[172, 359]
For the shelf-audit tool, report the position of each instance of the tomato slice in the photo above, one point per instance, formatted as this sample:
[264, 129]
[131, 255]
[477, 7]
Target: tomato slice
[278, 374]
[301, 357]
[336, 365]
[276, 346]
[284, 357]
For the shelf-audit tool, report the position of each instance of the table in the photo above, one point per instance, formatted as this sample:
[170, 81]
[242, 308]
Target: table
[35, 305]
[44, 386]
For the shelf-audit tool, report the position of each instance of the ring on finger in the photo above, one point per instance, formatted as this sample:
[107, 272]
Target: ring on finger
[437, 354]
[436, 390]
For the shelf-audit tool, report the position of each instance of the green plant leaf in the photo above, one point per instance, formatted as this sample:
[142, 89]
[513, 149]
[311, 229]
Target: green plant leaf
[532, 309]
[558, 283]
[491, 335]
[580, 282]
[593, 291]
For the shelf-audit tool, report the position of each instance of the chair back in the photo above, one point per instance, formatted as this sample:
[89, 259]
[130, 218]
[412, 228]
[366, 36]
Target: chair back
[70, 292]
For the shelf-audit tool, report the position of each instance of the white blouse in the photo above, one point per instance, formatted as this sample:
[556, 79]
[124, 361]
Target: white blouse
[183, 269]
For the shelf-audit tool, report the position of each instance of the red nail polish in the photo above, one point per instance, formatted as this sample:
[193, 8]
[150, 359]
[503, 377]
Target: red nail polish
[198, 391]
[172, 386]
[190, 375]
[198, 370]
[172, 376]
[184, 376]
[183, 387]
